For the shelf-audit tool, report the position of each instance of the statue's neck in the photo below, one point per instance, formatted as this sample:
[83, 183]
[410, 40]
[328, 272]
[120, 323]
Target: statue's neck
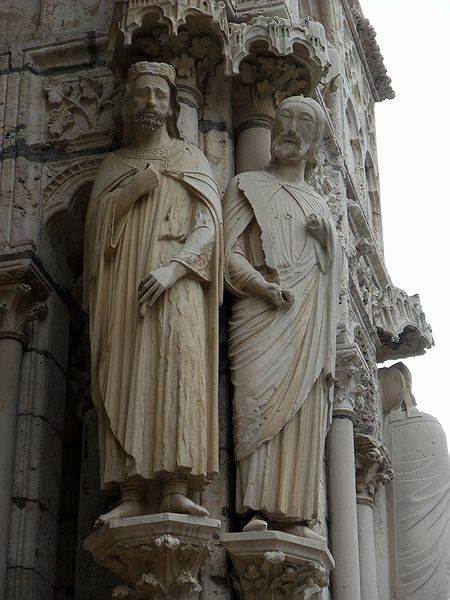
[144, 139]
[286, 172]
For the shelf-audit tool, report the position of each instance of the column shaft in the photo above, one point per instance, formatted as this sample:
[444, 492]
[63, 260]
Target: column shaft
[253, 146]
[367, 556]
[190, 102]
[344, 527]
[10, 364]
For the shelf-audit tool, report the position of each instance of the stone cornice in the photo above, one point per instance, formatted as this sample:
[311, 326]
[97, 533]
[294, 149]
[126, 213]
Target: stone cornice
[22, 296]
[371, 57]
[373, 466]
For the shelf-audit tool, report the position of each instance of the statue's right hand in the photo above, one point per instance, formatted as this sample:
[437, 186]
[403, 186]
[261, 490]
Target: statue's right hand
[145, 181]
[278, 296]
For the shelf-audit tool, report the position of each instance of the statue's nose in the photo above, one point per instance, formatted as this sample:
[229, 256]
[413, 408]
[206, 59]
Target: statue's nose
[151, 100]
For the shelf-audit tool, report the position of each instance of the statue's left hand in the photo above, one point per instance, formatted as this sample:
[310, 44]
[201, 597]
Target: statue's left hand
[159, 281]
[316, 226]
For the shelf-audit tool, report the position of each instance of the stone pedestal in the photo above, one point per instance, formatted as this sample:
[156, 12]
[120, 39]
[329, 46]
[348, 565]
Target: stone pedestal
[157, 556]
[271, 565]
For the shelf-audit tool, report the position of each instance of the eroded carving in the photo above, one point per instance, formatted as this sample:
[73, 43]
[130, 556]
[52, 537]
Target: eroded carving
[402, 326]
[373, 465]
[276, 566]
[373, 54]
[265, 79]
[158, 557]
[351, 374]
[77, 107]
[22, 296]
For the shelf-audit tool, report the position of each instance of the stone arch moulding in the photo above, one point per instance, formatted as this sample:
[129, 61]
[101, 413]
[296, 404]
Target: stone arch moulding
[61, 190]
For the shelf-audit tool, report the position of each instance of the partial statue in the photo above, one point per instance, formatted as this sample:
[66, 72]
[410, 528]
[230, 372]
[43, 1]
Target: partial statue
[282, 265]
[420, 492]
[152, 290]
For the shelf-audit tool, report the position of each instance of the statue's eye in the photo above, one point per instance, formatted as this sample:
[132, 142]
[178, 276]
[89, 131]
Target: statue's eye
[305, 117]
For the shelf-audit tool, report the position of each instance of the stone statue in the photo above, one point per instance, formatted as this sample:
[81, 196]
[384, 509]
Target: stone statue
[420, 493]
[282, 266]
[152, 290]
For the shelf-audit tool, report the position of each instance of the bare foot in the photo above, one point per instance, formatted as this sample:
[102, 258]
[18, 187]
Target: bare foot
[123, 592]
[127, 508]
[256, 523]
[179, 503]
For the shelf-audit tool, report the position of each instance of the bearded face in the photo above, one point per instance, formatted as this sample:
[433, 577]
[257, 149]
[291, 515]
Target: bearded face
[289, 146]
[293, 132]
[149, 119]
[150, 102]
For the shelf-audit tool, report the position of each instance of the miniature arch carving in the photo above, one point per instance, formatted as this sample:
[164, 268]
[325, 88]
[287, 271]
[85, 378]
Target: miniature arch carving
[63, 188]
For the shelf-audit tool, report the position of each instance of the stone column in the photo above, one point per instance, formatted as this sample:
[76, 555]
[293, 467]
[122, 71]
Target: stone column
[252, 142]
[21, 294]
[373, 466]
[342, 490]
[191, 101]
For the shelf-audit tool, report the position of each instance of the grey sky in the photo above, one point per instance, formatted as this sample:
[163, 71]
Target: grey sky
[413, 133]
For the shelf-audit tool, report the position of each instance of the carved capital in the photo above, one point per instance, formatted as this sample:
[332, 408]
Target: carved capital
[373, 466]
[351, 374]
[157, 556]
[270, 565]
[22, 298]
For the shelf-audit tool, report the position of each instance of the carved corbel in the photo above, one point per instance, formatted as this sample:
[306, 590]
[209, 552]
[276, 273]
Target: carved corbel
[22, 296]
[271, 565]
[401, 325]
[157, 556]
[373, 466]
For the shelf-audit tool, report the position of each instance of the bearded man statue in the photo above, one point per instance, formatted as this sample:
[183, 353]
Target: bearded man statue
[152, 290]
[282, 266]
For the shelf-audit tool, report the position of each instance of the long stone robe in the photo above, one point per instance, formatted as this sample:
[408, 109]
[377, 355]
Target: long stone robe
[282, 359]
[154, 368]
[420, 495]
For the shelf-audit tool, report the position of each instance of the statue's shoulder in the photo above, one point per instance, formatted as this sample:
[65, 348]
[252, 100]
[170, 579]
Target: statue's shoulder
[192, 158]
[240, 180]
[105, 174]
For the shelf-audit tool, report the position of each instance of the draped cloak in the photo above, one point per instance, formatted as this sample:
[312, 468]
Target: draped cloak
[282, 359]
[154, 368]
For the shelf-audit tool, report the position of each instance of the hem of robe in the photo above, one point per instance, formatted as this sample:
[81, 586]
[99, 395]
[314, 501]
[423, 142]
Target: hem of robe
[122, 466]
[275, 462]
